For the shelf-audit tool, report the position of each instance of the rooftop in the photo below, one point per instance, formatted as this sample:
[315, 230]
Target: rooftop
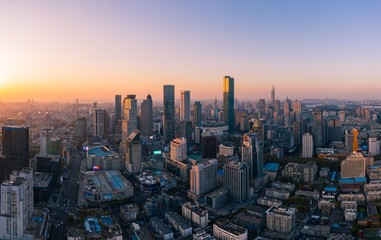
[106, 181]
[232, 228]
[100, 151]
[178, 220]
[271, 167]
[42, 179]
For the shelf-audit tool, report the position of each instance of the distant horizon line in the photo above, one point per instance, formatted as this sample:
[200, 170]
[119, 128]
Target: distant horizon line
[178, 99]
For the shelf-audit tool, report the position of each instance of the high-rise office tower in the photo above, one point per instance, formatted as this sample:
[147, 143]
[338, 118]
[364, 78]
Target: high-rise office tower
[261, 107]
[130, 114]
[299, 129]
[186, 131]
[197, 114]
[307, 146]
[80, 128]
[215, 109]
[184, 105]
[169, 112]
[228, 98]
[44, 136]
[100, 125]
[287, 107]
[118, 108]
[355, 141]
[16, 204]
[297, 110]
[349, 142]
[203, 178]
[236, 181]
[16, 144]
[208, 145]
[134, 152]
[273, 95]
[76, 109]
[374, 146]
[147, 117]
[252, 154]
[178, 149]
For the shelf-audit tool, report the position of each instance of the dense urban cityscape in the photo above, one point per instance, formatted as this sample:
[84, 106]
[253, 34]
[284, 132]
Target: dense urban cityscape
[211, 169]
[204, 120]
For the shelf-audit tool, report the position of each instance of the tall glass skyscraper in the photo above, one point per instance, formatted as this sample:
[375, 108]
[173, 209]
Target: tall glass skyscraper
[228, 101]
[118, 108]
[147, 120]
[130, 113]
[169, 112]
[185, 105]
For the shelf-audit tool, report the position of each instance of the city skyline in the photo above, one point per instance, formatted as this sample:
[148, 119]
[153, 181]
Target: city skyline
[62, 51]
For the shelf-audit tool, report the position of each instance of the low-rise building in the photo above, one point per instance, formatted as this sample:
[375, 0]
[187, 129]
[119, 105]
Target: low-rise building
[129, 212]
[161, 229]
[277, 193]
[350, 214]
[178, 223]
[229, 230]
[285, 186]
[193, 213]
[268, 202]
[102, 186]
[310, 194]
[302, 172]
[217, 198]
[359, 197]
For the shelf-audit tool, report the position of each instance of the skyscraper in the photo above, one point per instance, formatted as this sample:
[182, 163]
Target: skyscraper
[100, 123]
[308, 146]
[273, 95]
[203, 178]
[197, 114]
[118, 108]
[130, 114]
[228, 101]
[44, 136]
[169, 112]
[374, 146]
[236, 181]
[208, 145]
[186, 131]
[252, 154]
[184, 105]
[261, 107]
[133, 152]
[16, 143]
[147, 118]
[16, 204]
[178, 149]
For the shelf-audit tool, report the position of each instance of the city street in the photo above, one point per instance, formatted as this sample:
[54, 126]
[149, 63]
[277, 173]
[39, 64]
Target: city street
[67, 201]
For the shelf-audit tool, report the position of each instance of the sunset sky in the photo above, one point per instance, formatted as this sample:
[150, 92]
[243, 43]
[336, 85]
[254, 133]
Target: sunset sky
[92, 50]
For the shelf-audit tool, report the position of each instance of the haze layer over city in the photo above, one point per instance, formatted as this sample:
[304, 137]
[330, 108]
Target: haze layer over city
[188, 120]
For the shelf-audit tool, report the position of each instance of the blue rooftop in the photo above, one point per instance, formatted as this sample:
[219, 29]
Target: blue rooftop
[220, 172]
[106, 220]
[353, 180]
[271, 167]
[100, 151]
[374, 167]
[333, 176]
[331, 189]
